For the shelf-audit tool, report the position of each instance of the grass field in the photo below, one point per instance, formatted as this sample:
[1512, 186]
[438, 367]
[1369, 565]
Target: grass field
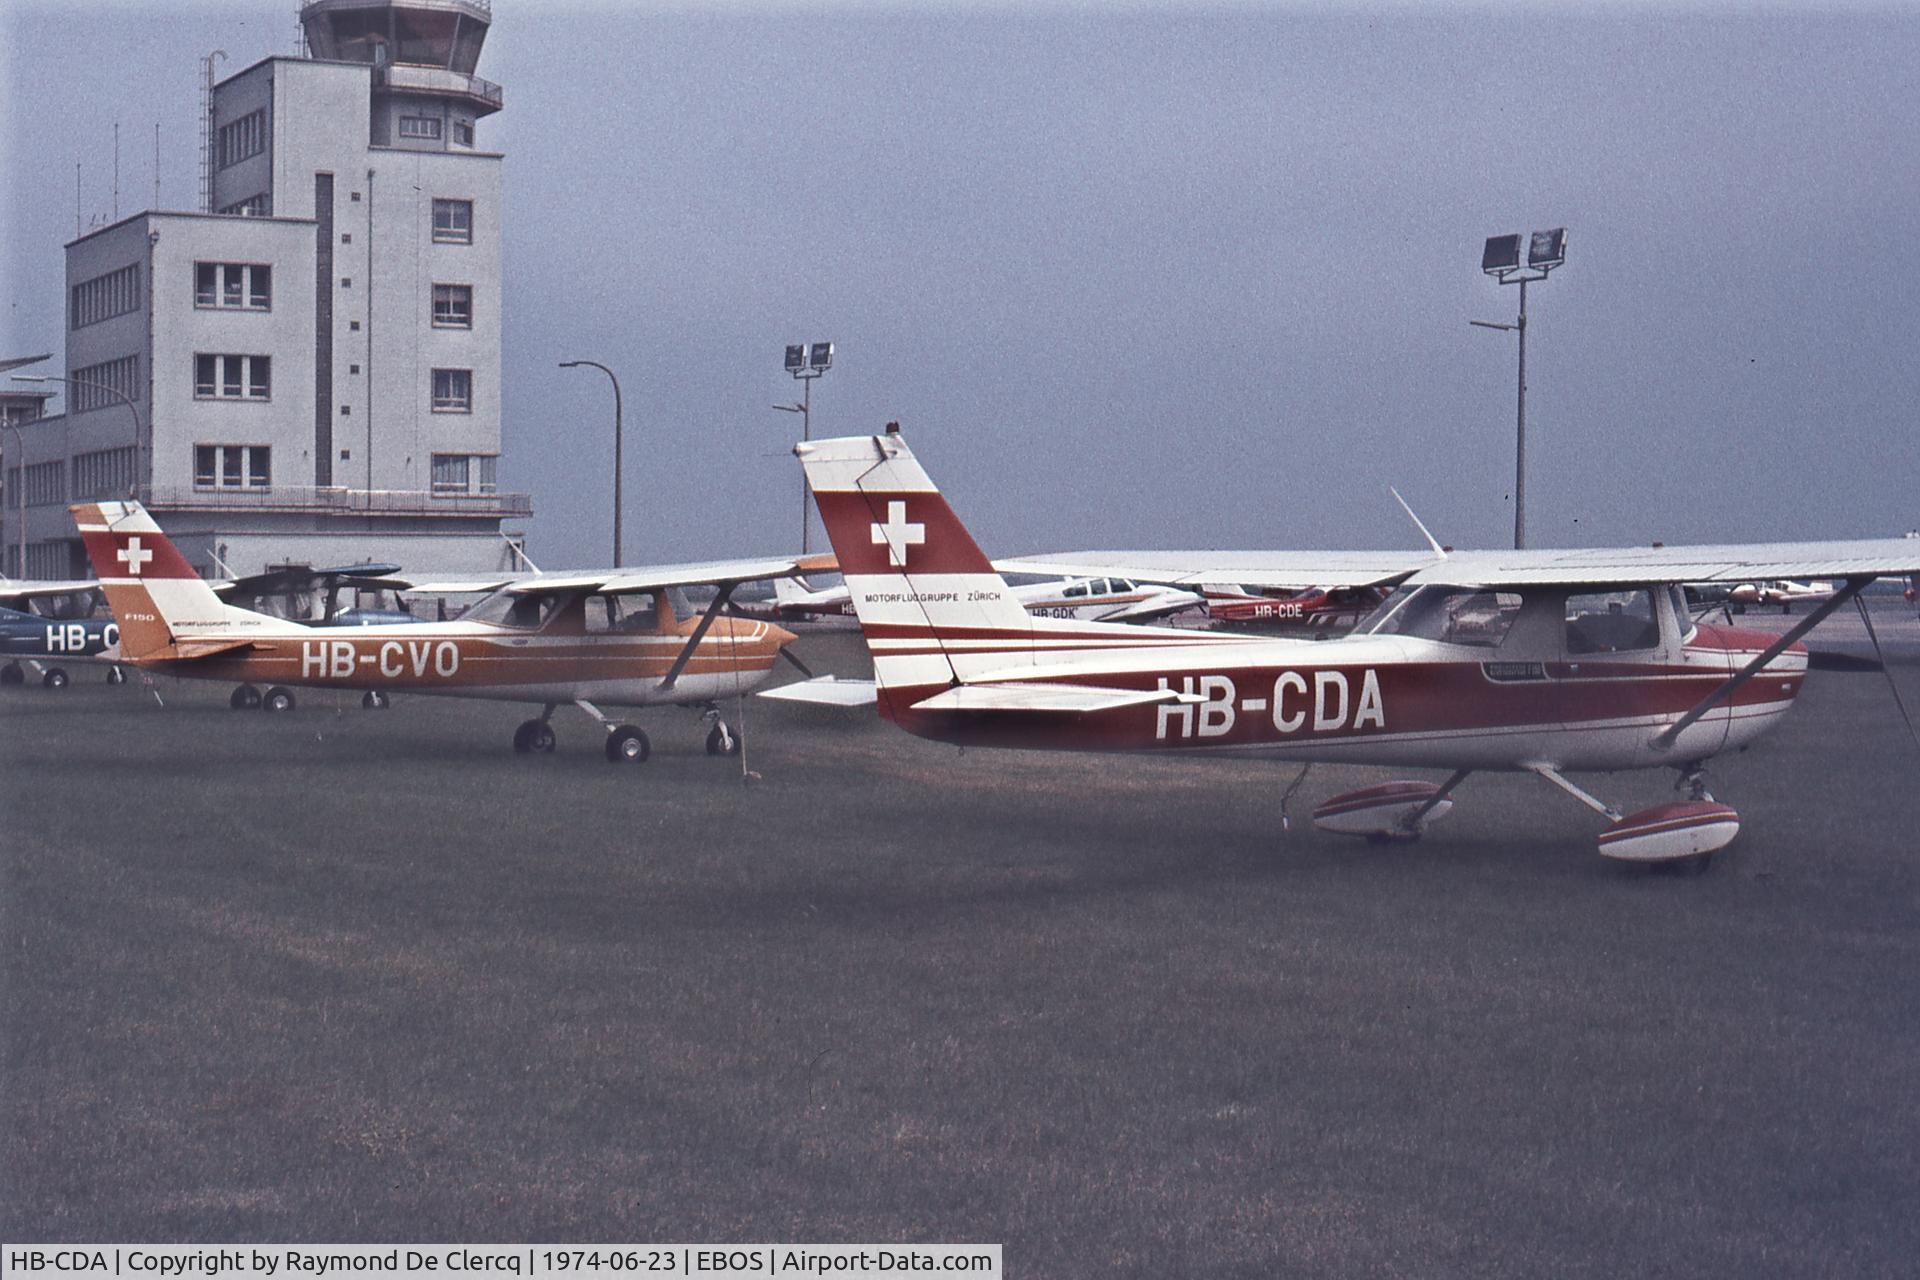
[371, 976]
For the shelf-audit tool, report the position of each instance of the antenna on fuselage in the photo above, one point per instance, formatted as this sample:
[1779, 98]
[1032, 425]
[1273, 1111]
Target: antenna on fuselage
[1432, 541]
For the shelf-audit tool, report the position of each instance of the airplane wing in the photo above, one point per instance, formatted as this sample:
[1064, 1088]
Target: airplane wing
[829, 691]
[1291, 570]
[1653, 566]
[1038, 696]
[13, 589]
[274, 581]
[655, 577]
[1160, 605]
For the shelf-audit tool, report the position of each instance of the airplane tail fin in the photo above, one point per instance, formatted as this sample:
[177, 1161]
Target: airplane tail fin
[155, 595]
[926, 595]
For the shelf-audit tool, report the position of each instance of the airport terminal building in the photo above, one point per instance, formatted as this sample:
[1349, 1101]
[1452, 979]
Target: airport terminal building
[306, 371]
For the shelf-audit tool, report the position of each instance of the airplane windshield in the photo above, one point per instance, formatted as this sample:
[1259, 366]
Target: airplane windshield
[507, 608]
[1451, 615]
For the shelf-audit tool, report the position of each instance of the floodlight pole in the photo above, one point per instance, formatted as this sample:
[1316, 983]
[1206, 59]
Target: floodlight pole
[617, 468]
[812, 365]
[1502, 261]
[1520, 435]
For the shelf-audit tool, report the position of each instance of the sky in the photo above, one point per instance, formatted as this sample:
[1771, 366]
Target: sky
[1144, 276]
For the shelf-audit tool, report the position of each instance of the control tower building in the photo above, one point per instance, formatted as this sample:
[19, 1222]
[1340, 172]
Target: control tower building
[305, 371]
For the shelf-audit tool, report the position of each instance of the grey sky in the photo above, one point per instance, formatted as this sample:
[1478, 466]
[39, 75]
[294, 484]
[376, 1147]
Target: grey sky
[1151, 277]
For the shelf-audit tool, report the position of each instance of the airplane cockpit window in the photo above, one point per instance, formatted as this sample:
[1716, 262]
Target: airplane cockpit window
[1122, 587]
[628, 614]
[1451, 615]
[1682, 615]
[505, 608]
[1077, 589]
[1611, 622]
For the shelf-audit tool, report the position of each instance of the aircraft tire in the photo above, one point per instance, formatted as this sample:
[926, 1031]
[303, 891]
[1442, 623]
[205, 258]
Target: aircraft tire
[628, 745]
[116, 675]
[12, 674]
[534, 735]
[277, 698]
[722, 742]
[55, 679]
[375, 700]
[244, 698]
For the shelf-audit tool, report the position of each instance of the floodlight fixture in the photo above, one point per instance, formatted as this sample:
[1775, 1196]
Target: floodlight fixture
[1547, 249]
[1501, 254]
[821, 357]
[796, 358]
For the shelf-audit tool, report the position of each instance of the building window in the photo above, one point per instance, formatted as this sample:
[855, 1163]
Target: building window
[346, 411]
[427, 127]
[104, 297]
[93, 387]
[453, 221]
[457, 474]
[46, 483]
[103, 473]
[453, 391]
[463, 132]
[241, 139]
[224, 377]
[232, 466]
[233, 285]
[453, 306]
[260, 206]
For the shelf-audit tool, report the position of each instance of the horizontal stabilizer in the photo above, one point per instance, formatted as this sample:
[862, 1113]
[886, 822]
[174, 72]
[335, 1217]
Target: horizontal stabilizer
[194, 650]
[1036, 696]
[826, 691]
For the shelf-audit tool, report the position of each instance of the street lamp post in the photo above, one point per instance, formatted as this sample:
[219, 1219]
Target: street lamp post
[20, 503]
[617, 467]
[1501, 259]
[806, 361]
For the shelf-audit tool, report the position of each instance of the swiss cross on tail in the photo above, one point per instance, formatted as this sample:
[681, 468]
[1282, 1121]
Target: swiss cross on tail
[898, 534]
[134, 555]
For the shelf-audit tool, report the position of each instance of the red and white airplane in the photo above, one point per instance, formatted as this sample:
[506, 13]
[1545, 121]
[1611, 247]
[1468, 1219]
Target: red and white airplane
[589, 639]
[1781, 591]
[1537, 661]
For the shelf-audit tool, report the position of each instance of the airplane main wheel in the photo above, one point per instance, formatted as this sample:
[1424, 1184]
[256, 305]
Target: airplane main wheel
[375, 700]
[277, 699]
[116, 675]
[12, 674]
[628, 745]
[534, 735]
[722, 741]
[55, 679]
[244, 698]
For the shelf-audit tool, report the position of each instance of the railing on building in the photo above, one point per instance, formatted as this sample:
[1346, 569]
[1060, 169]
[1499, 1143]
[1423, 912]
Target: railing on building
[402, 75]
[337, 500]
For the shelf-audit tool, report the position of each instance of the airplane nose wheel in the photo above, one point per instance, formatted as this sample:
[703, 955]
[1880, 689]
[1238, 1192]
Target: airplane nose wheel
[277, 698]
[55, 679]
[375, 700]
[721, 739]
[534, 735]
[628, 745]
[116, 675]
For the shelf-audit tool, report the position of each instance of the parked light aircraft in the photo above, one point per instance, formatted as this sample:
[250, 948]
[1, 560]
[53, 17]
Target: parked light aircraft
[1537, 661]
[588, 639]
[1780, 591]
[57, 635]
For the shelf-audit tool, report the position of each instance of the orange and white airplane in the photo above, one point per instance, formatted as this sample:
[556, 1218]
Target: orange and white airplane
[592, 639]
[1781, 591]
[1537, 661]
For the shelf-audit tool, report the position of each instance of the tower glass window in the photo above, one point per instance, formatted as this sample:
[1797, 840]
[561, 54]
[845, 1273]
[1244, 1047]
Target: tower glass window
[427, 127]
